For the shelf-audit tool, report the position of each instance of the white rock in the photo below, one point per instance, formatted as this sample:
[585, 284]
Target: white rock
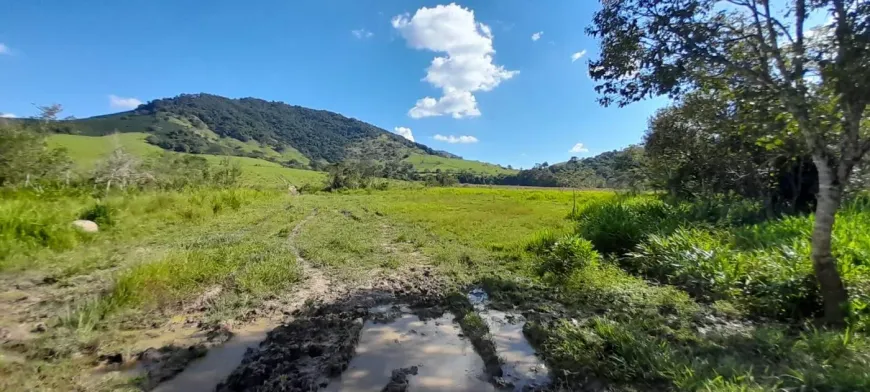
[86, 226]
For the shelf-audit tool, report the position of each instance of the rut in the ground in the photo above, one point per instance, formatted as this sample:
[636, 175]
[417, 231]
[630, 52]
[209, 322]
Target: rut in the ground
[220, 360]
[316, 285]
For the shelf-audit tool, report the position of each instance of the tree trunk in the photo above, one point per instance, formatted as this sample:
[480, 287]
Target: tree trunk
[833, 292]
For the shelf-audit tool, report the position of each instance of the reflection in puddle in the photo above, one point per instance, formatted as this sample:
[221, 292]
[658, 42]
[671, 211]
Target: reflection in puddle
[206, 373]
[445, 361]
[521, 367]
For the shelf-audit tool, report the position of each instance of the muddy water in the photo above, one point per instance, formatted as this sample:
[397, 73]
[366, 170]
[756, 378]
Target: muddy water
[207, 372]
[445, 360]
[521, 368]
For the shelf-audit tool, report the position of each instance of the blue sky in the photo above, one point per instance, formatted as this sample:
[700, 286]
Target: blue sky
[520, 101]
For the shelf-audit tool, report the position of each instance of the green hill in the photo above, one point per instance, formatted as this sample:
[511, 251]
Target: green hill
[86, 151]
[288, 135]
[431, 163]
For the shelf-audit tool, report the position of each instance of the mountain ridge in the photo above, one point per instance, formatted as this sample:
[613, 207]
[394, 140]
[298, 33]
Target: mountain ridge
[289, 134]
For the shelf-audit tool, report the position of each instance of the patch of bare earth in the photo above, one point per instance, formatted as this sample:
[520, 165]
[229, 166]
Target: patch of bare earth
[321, 312]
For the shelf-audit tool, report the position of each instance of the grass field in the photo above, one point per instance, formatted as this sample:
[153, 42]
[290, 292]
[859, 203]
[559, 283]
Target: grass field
[86, 151]
[430, 163]
[591, 315]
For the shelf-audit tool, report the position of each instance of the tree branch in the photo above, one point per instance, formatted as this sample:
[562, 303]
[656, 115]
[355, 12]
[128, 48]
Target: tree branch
[774, 46]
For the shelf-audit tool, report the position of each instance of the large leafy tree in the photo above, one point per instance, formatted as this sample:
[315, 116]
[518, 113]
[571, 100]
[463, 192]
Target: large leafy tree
[726, 140]
[820, 74]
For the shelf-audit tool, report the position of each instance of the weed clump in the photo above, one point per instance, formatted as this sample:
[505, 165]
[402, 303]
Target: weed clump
[101, 213]
[566, 255]
[616, 227]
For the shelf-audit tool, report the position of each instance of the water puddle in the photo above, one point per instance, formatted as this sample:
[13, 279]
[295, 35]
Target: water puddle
[207, 372]
[522, 368]
[445, 361]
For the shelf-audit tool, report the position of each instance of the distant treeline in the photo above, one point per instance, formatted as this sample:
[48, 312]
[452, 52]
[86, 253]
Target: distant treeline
[619, 169]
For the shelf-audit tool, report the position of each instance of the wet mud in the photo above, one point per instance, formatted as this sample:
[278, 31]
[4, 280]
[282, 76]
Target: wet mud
[401, 335]
[434, 349]
[318, 343]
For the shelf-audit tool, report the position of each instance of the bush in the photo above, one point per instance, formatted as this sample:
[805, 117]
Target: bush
[693, 259]
[542, 242]
[723, 211]
[25, 159]
[307, 189]
[565, 256]
[777, 282]
[617, 226]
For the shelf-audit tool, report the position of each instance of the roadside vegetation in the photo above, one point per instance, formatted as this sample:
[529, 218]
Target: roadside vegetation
[733, 257]
[632, 291]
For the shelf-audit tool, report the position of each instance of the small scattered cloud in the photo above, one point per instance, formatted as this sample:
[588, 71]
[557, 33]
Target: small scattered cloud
[577, 56]
[117, 102]
[5, 49]
[467, 65]
[404, 132]
[456, 139]
[537, 36]
[579, 147]
[8, 115]
[362, 33]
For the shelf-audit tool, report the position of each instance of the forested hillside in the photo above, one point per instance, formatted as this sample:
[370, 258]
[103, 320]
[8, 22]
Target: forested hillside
[205, 123]
[618, 169]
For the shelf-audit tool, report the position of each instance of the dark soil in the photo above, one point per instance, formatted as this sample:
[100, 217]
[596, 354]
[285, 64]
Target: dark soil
[318, 344]
[399, 380]
[164, 363]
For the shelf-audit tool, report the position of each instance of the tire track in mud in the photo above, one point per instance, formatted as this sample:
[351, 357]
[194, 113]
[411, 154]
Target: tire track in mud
[221, 360]
[316, 285]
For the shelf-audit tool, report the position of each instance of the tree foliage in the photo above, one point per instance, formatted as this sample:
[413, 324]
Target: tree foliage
[25, 160]
[618, 169]
[707, 144]
[818, 76]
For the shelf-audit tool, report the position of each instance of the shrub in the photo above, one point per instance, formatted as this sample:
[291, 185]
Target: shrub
[773, 233]
[777, 282]
[723, 211]
[617, 226]
[693, 259]
[307, 189]
[542, 242]
[567, 255]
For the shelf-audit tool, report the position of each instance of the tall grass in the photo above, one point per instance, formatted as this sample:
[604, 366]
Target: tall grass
[32, 223]
[27, 223]
[241, 265]
[711, 264]
[716, 251]
[617, 226]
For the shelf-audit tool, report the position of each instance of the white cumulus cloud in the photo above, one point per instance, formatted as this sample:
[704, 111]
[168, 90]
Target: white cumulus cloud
[456, 139]
[537, 36]
[117, 102]
[577, 56]
[579, 147]
[467, 66]
[404, 132]
[8, 115]
[362, 33]
[4, 49]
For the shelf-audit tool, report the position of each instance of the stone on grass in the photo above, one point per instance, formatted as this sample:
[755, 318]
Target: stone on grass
[86, 226]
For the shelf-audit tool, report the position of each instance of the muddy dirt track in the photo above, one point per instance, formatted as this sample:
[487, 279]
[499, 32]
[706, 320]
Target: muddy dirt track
[398, 331]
